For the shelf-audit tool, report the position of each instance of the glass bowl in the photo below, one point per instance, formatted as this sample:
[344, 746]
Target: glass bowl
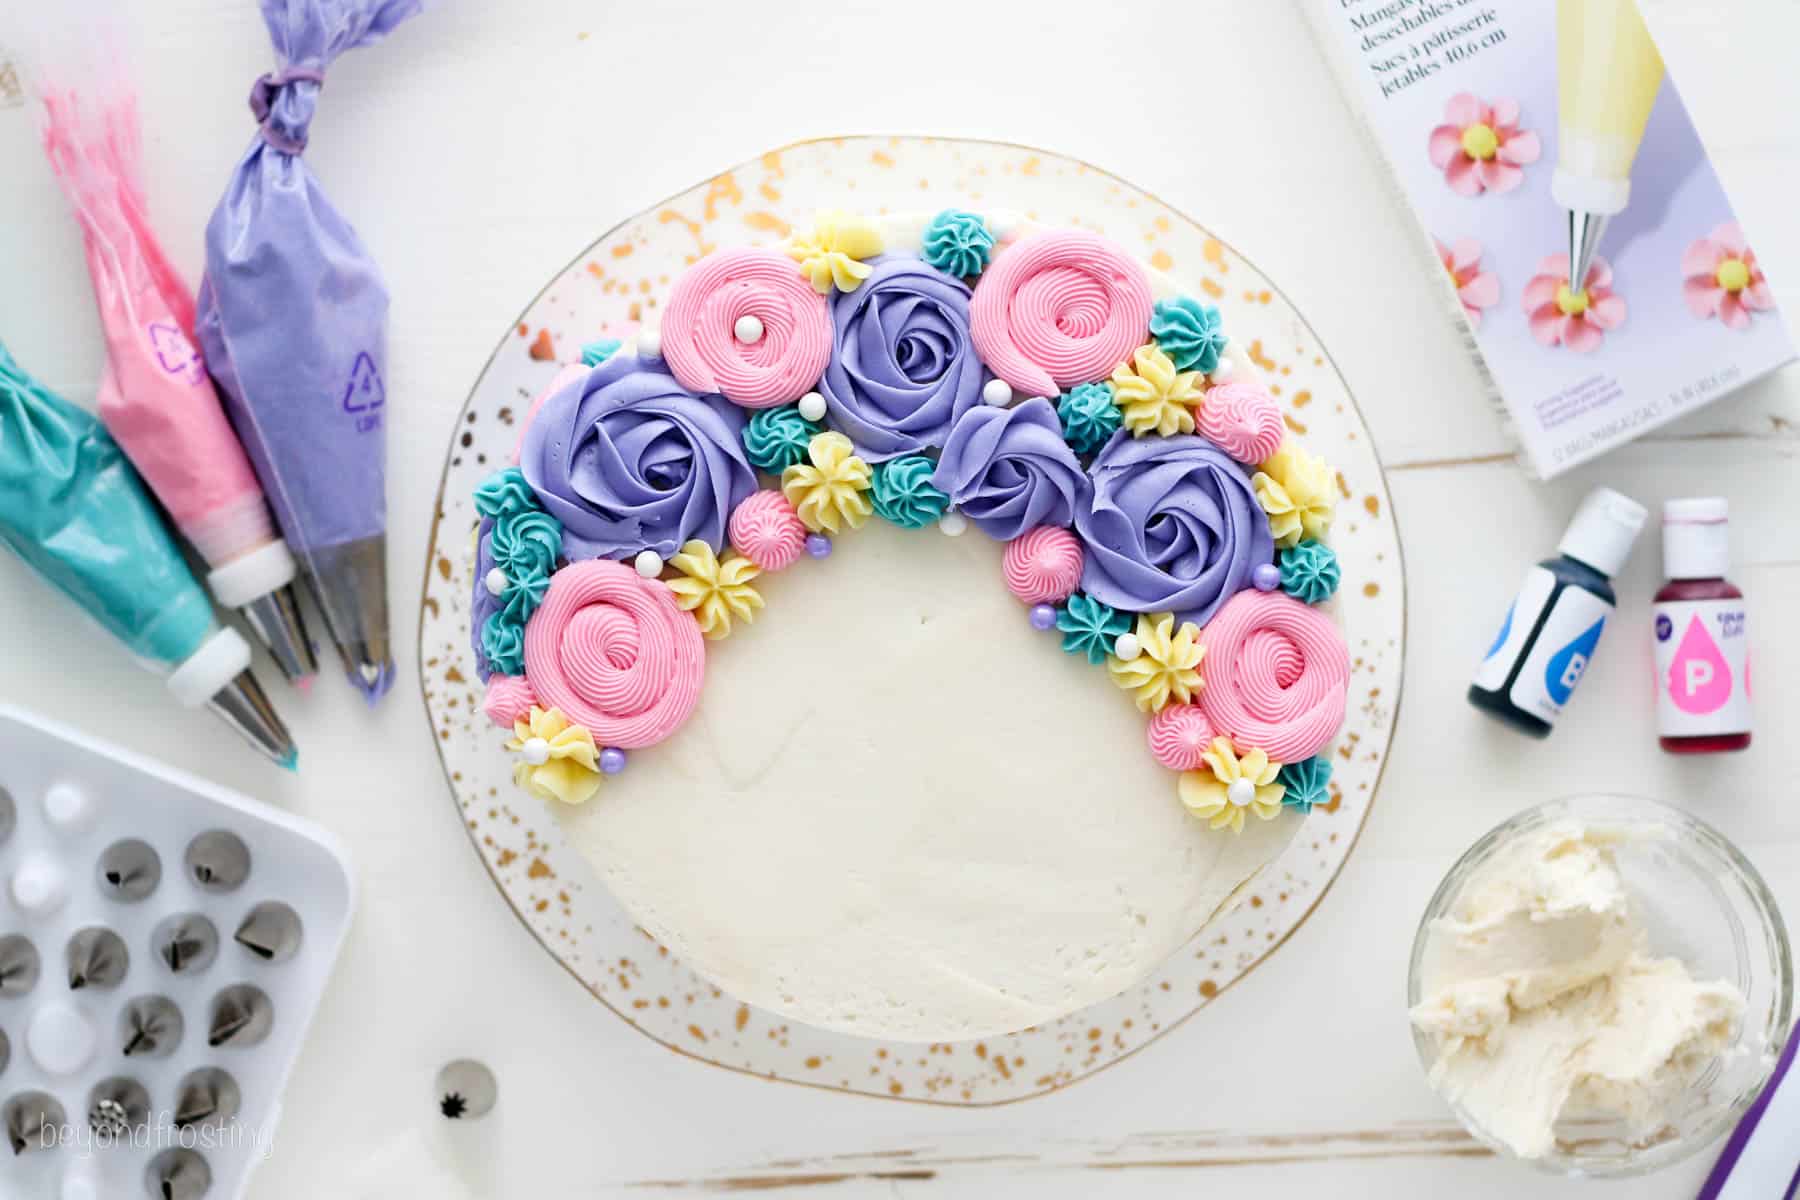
[1703, 903]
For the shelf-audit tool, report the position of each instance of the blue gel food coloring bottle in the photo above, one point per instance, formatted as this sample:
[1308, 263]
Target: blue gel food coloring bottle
[1555, 622]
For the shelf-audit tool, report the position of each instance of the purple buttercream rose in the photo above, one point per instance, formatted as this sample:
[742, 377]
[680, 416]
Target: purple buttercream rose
[482, 603]
[1174, 527]
[902, 366]
[629, 460]
[1008, 469]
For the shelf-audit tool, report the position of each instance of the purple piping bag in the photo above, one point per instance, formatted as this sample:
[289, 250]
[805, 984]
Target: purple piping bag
[293, 324]
[1761, 1161]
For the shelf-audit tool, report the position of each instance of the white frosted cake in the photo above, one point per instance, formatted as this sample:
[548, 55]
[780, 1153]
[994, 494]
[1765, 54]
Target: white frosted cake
[920, 628]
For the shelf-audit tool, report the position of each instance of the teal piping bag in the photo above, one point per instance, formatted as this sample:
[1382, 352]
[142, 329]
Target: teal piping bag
[73, 509]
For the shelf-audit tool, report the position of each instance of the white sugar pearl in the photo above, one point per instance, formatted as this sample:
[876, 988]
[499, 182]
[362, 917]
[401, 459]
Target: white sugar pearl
[69, 808]
[1223, 370]
[1126, 647]
[536, 751]
[953, 523]
[649, 342]
[997, 392]
[748, 329]
[649, 564]
[1241, 793]
[496, 582]
[812, 406]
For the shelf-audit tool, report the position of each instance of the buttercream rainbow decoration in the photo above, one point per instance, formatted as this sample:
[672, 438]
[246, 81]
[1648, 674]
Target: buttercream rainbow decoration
[1156, 515]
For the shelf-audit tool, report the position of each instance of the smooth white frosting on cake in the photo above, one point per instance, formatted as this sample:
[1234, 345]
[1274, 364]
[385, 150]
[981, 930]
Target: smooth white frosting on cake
[900, 811]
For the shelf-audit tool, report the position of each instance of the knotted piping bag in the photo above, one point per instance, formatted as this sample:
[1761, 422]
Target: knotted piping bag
[293, 324]
[155, 397]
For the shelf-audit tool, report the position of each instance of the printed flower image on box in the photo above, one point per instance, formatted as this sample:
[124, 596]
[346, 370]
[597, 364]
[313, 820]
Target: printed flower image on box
[1586, 238]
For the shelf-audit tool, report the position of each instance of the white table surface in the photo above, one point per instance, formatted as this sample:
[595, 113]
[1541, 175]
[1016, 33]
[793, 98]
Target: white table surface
[485, 143]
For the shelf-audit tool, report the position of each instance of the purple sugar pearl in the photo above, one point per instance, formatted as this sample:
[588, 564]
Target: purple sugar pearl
[1043, 617]
[612, 760]
[818, 545]
[1266, 577]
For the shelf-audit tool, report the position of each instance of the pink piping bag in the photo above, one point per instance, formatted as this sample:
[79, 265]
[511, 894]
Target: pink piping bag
[155, 397]
[293, 322]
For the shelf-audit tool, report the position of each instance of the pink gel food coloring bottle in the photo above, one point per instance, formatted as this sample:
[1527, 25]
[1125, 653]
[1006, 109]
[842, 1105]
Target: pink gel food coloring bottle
[1701, 638]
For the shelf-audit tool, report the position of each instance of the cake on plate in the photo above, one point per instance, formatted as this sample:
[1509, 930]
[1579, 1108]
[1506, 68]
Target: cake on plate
[924, 626]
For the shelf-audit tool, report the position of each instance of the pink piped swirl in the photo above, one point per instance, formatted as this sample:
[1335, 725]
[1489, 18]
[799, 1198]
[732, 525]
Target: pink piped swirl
[699, 339]
[1243, 420]
[1179, 734]
[767, 531]
[1043, 565]
[615, 653]
[1059, 308]
[509, 697]
[1276, 675]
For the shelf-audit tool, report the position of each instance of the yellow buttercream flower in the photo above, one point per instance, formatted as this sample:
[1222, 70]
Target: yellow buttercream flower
[715, 591]
[559, 759]
[829, 491]
[1232, 785]
[831, 254]
[1167, 663]
[1299, 492]
[1153, 396]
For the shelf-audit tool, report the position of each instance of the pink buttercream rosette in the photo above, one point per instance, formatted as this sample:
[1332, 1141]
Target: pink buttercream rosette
[699, 329]
[1581, 331]
[1059, 308]
[1721, 278]
[1243, 420]
[509, 697]
[1480, 146]
[1276, 673]
[615, 653]
[767, 531]
[1043, 565]
[1475, 288]
[1179, 736]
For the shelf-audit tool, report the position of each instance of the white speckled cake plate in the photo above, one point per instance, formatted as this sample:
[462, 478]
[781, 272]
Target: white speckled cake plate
[559, 896]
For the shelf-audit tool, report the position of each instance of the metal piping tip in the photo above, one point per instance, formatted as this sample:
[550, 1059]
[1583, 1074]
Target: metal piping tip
[1585, 229]
[244, 706]
[178, 1174]
[241, 1016]
[276, 620]
[19, 965]
[34, 1121]
[116, 1106]
[151, 1026]
[271, 931]
[350, 584]
[130, 870]
[97, 958]
[186, 942]
[218, 860]
[206, 1095]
